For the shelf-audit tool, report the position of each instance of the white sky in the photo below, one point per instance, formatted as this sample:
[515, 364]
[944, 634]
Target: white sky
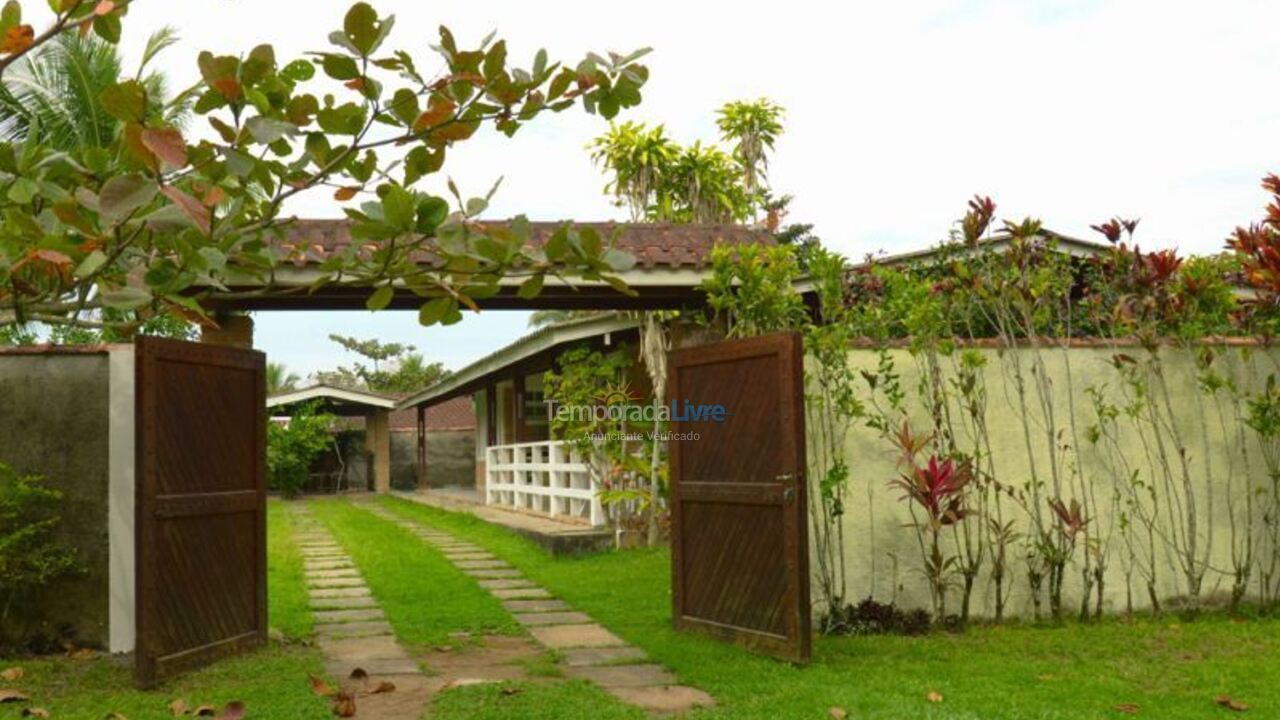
[896, 114]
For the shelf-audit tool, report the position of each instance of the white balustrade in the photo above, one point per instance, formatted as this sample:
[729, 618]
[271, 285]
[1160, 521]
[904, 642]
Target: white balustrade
[547, 478]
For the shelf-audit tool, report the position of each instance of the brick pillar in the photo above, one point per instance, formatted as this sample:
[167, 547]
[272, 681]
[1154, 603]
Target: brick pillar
[231, 331]
[378, 439]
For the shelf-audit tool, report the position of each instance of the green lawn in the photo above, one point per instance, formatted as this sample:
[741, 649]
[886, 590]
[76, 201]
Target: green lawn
[1169, 669]
[271, 682]
[424, 597]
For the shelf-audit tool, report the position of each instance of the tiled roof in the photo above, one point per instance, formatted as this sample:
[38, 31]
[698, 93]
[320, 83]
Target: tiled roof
[654, 245]
[455, 414]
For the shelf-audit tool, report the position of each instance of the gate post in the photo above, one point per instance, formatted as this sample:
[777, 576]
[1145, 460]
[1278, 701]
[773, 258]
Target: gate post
[231, 331]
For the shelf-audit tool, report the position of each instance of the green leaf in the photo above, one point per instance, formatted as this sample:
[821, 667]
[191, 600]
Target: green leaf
[364, 30]
[434, 311]
[619, 260]
[298, 71]
[267, 130]
[90, 264]
[400, 208]
[431, 213]
[123, 194]
[380, 298]
[23, 190]
[348, 119]
[11, 16]
[107, 27]
[126, 101]
[340, 67]
[531, 288]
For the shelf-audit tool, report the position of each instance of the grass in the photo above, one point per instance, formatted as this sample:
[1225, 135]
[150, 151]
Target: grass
[531, 701]
[1169, 669]
[288, 609]
[272, 682]
[424, 597]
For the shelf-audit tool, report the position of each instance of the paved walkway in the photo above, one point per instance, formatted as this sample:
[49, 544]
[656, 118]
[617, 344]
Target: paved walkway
[359, 646]
[586, 648]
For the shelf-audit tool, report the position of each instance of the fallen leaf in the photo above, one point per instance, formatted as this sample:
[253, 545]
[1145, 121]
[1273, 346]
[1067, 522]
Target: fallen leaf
[233, 711]
[35, 712]
[510, 690]
[1231, 703]
[205, 711]
[344, 705]
[934, 696]
[1044, 678]
[115, 716]
[837, 713]
[82, 655]
[359, 674]
[383, 686]
[178, 707]
[1126, 708]
[17, 39]
[8, 695]
[320, 687]
[12, 674]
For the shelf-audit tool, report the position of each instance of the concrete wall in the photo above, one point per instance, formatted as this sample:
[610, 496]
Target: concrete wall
[882, 558]
[451, 459]
[54, 422]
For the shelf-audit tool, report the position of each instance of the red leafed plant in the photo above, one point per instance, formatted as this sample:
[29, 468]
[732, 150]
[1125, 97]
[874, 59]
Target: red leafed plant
[938, 488]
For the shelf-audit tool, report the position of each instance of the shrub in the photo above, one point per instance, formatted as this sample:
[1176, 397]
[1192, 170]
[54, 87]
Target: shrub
[30, 558]
[293, 447]
[875, 618]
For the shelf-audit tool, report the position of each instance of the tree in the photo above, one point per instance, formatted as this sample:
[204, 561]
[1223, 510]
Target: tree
[752, 126]
[394, 367]
[293, 446]
[154, 224]
[641, 160]
[280, 379]
[30, 558]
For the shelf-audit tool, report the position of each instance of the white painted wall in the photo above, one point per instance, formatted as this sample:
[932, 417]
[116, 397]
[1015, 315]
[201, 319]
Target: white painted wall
[120, 500]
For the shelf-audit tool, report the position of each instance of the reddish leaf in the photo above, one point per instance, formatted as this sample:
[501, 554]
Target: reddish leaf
[343, 194]
[215, 196]
[167, 144]
[193, 209]
[228, 88]
[344, 705]
[17, 39]
[837, 713]
[439, 109]
[8, 695]
[12, 674]
[320, 687]
[1126, 708]
[382, 686]
[359, 674]
[82, 655]
[233, 711]
[1231, 703]
[934, 696]
[104, 7]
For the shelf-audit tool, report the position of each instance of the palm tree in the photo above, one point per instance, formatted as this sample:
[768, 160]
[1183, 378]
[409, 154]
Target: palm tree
[640, 160]
[280, 379]
[706, 187]
[753, 126]
[57, 90]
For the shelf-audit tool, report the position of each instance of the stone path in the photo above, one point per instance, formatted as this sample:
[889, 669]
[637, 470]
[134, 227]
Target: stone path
[352, 632]
[586, 648]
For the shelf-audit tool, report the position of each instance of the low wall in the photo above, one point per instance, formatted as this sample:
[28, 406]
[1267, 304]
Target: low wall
[882, 557]
[451, 459]
[54, 422]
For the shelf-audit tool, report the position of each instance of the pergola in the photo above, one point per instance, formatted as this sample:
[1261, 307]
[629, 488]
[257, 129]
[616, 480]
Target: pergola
[345, 402]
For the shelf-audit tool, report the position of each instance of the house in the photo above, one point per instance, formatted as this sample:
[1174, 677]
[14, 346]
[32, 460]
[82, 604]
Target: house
[449, 447]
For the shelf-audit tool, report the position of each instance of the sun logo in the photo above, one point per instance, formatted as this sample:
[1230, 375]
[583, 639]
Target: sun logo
[620, 394]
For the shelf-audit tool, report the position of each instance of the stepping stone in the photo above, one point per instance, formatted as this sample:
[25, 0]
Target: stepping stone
[535, 605]
[511, 593]
[371, 628]
[343, 616]
[336, 573]
[322, 557]
[479, 564]
[608, 676]
[558, 637]
[320, 546]
[600, 656]
[671, 699]
[492, 573]
[373, 666]
[469, 556]
[552, 618]
[361, 648]
[345, 582]
[326, 565]
[505, 584]
[345, 592]
[352, 603]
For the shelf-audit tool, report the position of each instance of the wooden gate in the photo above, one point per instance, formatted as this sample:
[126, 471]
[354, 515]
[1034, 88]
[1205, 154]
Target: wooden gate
[740, 556]
[201, 505]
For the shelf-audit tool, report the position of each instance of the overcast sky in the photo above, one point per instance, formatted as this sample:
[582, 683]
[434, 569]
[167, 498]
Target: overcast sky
[897, 113]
